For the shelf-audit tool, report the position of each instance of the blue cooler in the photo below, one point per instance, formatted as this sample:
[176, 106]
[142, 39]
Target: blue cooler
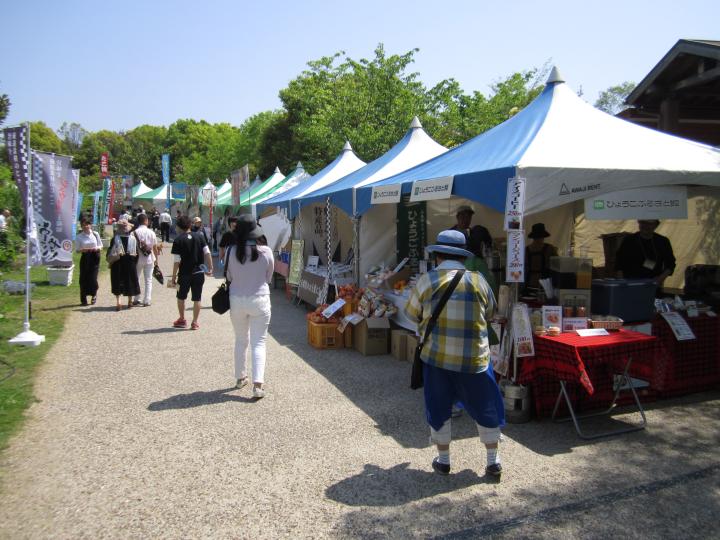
[632, 300]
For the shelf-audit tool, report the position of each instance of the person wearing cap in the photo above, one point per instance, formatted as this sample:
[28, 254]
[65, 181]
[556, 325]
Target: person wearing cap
[123, 272]
[190, 250]
[477, 237]
[456, 356]
[537, 256]
[197, 226]
[646, 254]
[249, 270]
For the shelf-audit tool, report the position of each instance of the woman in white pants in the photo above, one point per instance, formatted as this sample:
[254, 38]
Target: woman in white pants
[249, 270]
[147, 251]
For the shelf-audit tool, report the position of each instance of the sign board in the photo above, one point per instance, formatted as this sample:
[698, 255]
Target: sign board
[574, 323]
[411, 235]
[552, 316]
[515, 263]
[179, 191]
[658, 202]
[310, 287]
[166, 168]
[514, 204]
[590, 332]
[296, 261]
[104, 165]
[313, 261]
[436, 188]
[522, 333]
[678, 325]
[127, 184]
[386, 194]
[332, 308]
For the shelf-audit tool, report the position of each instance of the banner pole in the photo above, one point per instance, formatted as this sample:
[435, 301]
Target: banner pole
[28, 337]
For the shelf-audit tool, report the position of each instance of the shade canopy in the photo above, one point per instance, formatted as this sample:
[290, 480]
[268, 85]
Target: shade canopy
[345, 163]
[223, 188]
[415, 147]
[139, 189]
[251, 194]
[566, 150]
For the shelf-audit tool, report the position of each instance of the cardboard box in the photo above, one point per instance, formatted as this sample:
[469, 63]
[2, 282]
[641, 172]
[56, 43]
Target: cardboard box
[404, 274]
[411, 342]
[371, 336]
[398, 344]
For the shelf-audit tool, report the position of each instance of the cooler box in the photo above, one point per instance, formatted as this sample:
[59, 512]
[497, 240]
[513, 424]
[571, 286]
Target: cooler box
[630, 299]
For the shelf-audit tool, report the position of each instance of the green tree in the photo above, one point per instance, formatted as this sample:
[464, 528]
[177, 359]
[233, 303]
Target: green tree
[612, 100]
[72, 135]
[87, 158]
[144, 150]
[4, 107]
[184, 138]
[44, 139]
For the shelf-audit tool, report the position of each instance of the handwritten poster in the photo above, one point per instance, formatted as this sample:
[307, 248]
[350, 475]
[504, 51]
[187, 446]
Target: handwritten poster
[514, 204]
[515, 263]
[522, 333]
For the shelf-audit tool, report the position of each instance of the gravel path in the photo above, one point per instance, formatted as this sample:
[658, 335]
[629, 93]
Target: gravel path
[138, 433]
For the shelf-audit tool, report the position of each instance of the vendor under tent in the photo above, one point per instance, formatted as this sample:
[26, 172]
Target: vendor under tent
[567, 151]
[374, 242]
[345, 163]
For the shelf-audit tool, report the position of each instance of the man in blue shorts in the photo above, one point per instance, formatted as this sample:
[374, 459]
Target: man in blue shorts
[456, 355]
[192, 262]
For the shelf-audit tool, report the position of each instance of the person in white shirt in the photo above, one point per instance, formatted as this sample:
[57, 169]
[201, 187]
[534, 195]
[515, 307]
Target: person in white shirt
[89, 244]
[165, 222]
[147, 253]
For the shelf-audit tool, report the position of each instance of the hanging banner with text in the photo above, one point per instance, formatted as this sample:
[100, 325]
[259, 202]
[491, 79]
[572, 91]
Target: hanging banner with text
[428, 190]
[411, 232]
[104, 165]
[179, 191]
[166, 168]
[386, 194]
[96, 207]
[658, 202]
[127, 184]
[515, 264]
[55, 193]
[240, 180]
[514, 204]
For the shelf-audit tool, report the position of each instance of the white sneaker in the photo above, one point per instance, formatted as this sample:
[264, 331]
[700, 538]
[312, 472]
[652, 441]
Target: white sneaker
[241, 383]
[258, 392]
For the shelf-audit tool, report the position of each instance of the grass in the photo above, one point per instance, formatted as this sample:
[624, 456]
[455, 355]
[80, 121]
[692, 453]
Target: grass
[51, 305]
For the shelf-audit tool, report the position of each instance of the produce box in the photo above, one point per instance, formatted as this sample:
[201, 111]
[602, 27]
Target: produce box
[371, 336]
[398, 344]
[324, 335]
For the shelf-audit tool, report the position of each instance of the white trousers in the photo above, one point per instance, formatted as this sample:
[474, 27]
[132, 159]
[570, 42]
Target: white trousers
[145, 270]
[250, 316]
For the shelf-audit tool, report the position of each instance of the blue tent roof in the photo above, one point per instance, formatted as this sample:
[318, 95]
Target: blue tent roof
[489, 158]
[416, 146]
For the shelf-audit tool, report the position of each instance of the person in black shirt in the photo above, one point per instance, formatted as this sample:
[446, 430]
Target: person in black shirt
[646, 254]
[478, 238]
[228, 237]
[190, 250]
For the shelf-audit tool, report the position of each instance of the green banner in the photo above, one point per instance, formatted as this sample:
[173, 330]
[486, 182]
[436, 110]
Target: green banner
[411, 231]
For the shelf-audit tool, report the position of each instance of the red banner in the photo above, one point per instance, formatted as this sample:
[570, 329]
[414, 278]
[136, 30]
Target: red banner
[104, 168]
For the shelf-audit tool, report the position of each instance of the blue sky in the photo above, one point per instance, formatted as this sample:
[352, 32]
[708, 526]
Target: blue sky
[119, 64]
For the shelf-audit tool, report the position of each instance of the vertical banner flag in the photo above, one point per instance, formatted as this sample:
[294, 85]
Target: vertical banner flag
[240, 180]
[78, 205]
[106, 200]
[179, 191]
[411, 231]
[17, 144]
[166, 168]
[96, 203]
[54, 205]
[515, 264]
[104, 165]
[515, 204]
[127, 185]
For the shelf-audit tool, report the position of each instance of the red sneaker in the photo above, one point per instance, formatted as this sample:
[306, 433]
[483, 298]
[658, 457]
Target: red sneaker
[180, 323]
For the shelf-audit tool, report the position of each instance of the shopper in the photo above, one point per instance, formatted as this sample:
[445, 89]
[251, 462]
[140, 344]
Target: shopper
[249, 270]
[165, 222]
[147, 255]
[88, 243]
[456, 356]
[190, 250]
[123, 272]
[228, 238]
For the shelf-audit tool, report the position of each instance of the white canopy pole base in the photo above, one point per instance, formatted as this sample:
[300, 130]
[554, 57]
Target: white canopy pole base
[27, 337]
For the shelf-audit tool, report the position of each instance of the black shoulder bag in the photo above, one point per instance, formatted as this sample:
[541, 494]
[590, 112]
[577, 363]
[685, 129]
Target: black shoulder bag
[416, 377]
[221, 298]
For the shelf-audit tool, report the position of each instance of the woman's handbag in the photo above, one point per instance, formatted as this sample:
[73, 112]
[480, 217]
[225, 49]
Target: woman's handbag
[157, 274]
[221, 298]
[416, 376]
[115, 252]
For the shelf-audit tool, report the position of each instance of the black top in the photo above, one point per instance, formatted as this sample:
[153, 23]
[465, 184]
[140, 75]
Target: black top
[635, 250]
[228, 239]
[475, 237]
[189, 245]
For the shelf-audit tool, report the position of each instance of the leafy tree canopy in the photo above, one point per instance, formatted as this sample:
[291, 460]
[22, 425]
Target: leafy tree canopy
[612, 100]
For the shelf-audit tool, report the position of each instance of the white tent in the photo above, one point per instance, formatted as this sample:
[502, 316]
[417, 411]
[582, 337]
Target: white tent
[375, 244]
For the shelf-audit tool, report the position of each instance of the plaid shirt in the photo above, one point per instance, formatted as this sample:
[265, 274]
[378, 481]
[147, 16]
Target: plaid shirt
[459, 341]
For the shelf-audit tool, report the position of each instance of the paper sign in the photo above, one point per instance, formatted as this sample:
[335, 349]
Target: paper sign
[332, 308]
[522, 333]
[296, 261]
[589, 332]
[500, 364]
[678, 325]
[386, 194]
[313, 261]
[574, 323]
[552, 316]
[515, 264]
[437, 188]
[514, 204]
[657, 202]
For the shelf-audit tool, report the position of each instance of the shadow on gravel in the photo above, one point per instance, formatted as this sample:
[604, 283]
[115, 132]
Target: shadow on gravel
[93, 309]
[398, 485]
[164, 330]
[198, 399]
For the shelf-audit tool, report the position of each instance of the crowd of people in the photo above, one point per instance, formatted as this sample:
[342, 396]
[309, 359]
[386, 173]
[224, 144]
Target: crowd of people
[133, 253]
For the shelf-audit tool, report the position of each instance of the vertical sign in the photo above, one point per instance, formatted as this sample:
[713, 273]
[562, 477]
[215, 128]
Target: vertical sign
[514, 204]
[96, 207]
[104, 165]
[515, 265]
[105, 216]
[127, 184]
[411, 232]
[166, 168]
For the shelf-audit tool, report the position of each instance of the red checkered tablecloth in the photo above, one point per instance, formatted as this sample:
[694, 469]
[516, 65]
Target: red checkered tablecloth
[588, 361]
